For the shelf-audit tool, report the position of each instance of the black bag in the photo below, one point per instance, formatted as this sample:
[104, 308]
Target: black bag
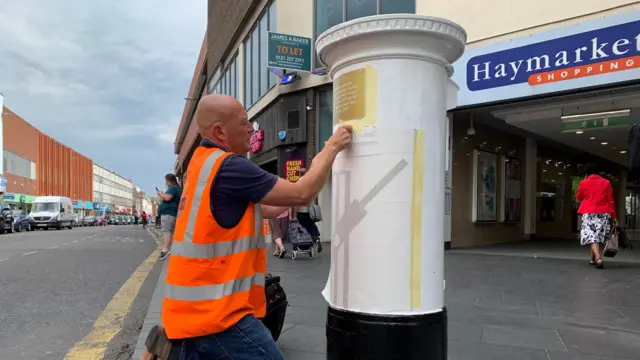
[276, 305]
[623, 239]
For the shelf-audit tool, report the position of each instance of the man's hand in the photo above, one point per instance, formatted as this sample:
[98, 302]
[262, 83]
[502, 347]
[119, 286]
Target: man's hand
[341, 139]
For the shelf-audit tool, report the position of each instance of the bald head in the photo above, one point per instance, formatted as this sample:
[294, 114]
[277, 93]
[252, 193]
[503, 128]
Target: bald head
[222, 118]
[214, 109]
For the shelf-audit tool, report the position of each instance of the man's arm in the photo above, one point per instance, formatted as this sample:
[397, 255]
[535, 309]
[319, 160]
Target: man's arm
[301, 193]
[272, 212]
[241, 179]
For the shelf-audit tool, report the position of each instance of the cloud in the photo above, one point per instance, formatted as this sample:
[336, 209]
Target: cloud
[106, 77]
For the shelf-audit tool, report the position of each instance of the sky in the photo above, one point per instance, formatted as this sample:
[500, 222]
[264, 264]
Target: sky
[107, 78]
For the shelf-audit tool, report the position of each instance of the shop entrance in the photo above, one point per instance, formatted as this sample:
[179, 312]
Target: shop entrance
[632, 208]
[571, 132]
[270, 166]
[551, 140]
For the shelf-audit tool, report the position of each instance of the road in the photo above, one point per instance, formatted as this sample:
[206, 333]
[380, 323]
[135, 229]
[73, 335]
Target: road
[54, 285]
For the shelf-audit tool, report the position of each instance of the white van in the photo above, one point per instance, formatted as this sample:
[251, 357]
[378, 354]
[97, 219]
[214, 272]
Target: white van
[51, 212]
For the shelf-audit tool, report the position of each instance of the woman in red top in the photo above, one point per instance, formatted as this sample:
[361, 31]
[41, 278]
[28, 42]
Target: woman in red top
[597, 210]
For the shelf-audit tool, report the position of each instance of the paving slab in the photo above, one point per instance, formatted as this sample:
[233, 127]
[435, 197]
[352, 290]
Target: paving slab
[500, 306]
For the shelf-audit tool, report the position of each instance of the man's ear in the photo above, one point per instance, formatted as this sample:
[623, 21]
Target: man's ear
[218, 130]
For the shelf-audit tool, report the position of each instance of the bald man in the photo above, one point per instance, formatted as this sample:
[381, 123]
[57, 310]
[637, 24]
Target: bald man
[215, 277]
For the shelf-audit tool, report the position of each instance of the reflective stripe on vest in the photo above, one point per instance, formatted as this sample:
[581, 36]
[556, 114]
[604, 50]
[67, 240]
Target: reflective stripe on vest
[213, 292]
[186, 248]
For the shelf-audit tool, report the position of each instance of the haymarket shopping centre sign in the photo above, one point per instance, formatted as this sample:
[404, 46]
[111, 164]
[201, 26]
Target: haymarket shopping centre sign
[593, 53]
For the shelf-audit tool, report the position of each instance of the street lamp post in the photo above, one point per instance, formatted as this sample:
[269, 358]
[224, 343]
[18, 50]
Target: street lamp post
[386, 284]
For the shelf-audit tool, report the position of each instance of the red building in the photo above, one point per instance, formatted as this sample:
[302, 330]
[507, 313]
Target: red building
[36, 164]
[63, 171]
[19, 154]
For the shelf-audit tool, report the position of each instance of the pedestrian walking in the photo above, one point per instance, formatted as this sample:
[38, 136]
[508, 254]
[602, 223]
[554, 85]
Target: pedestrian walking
[597, 209]
[279, 228]
[214, 291]
[144, 218]
[168, 210]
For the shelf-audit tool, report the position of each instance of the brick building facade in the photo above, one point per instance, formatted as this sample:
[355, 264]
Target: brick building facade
[61, 171]
[20, 141]
[35, 164]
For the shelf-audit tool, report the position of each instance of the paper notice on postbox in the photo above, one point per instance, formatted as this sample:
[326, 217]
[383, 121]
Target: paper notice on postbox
[371, 222]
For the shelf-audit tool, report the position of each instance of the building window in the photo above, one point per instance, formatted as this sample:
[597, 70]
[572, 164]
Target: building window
[13, 160]
[236, 77]
[397, 7]
[33, 171]
[5, 160]
[225, 81]
[293, 119]
[329, 13]
[361, 8]
[325, 117]
[247, 74]
[255, 65]
[257, 80]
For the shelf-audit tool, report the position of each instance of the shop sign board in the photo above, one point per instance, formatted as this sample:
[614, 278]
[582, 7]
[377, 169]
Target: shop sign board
[289, 52]
[256, 140]
[592, 53]
[18, 198]
[292, 169]
[573, 126]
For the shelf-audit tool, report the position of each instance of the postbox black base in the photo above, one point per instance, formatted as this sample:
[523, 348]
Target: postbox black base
[357, 336]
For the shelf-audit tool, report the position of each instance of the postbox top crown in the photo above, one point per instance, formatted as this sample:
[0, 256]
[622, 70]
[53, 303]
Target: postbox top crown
[439, 38]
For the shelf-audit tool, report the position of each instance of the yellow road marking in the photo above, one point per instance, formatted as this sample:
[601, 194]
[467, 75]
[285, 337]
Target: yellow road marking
[53, 247]
[29, 253]
[94, 345]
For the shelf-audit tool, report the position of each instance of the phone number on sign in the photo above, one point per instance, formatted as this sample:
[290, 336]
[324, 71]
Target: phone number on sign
[290, 59]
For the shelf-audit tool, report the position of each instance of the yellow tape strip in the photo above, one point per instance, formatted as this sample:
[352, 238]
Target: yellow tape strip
[416, 219]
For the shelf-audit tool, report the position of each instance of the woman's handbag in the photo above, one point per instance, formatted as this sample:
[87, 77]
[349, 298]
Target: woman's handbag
[315, 213]
[611, 248]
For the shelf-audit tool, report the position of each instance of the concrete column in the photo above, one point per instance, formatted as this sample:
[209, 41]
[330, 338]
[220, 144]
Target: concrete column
[530, 188]
[385, 290]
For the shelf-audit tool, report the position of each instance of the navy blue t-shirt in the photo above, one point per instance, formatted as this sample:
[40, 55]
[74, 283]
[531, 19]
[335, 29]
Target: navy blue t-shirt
[239, 181]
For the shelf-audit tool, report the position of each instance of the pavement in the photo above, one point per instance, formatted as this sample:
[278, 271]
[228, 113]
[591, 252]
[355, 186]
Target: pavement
[55, 284]
[517, 303]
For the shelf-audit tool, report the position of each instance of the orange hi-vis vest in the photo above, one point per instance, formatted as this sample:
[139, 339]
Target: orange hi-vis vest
[215, 276]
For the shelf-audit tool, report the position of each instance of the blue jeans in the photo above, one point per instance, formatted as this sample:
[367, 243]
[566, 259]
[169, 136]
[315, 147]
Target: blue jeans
[246, 340]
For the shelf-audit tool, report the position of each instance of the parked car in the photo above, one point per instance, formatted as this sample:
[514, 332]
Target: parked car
[101, 221]
[77, 220]
[21, 220]
[89, 221]
[6, 218]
